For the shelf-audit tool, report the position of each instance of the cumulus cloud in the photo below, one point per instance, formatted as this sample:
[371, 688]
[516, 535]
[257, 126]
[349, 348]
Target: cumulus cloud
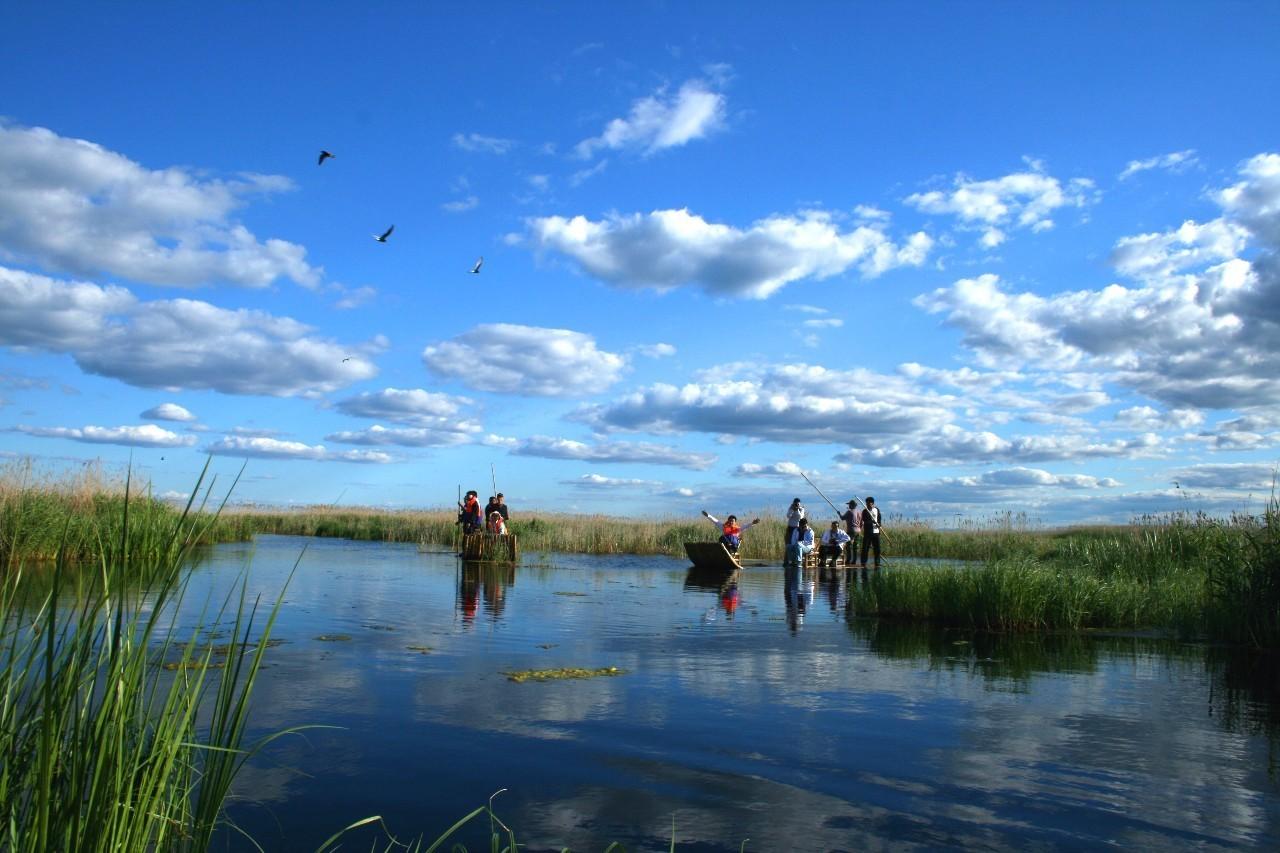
[461, 205]
[782, 470]
[271, 448]
[476, 142]
[174, 344]
[71, 205]
[146, 435]
[528, 360]
[1237, 475]
[1176, 161]
[659, 350]
[793, 403]
[613, 451]
[598, 481]
[1201, 331]
[168, 412]
[413, 406]
[671, 248]
[662, 120]
[444, 435]
[953, 445]
[1019, 200]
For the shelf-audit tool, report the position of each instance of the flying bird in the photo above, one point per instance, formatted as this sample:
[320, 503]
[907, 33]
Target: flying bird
[382, 238]
[345, 360]
[479, 263]
[324, 155]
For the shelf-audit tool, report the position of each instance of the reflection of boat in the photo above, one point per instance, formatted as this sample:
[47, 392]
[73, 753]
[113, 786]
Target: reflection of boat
[708, 579]
[711, 555]
[490, 547]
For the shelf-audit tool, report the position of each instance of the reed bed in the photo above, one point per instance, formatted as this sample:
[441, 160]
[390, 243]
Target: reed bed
[115, 732]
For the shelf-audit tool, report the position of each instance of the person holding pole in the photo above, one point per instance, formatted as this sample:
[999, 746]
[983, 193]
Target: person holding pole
[870, 532]
[852, 519]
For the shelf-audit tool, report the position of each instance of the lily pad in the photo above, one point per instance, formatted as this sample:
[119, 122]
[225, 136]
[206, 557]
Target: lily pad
[559, 674]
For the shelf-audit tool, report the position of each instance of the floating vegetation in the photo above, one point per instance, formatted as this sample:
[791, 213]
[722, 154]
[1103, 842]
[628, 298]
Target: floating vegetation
[379, 627]
[565, 592]
[559, 674]
[422, 650]
[193, 664]
[334, 638]
[548, 645]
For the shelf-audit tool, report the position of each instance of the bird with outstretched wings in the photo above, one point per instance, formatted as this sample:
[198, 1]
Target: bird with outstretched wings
[382, 238]
[324, 155]
[479, 262]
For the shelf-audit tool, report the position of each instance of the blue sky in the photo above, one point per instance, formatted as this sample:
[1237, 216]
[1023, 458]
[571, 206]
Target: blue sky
[967, 258]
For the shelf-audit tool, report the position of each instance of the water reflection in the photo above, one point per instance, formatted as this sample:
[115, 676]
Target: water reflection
[485, 581]
[849, 734]
[725, 583]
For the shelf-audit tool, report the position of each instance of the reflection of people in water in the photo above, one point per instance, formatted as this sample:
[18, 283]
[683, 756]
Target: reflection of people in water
[730, 598]
[485, 582]
[836, 581]
[797, 591]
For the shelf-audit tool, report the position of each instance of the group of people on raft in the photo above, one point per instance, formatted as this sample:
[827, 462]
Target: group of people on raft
[860, 526]
[493, 519]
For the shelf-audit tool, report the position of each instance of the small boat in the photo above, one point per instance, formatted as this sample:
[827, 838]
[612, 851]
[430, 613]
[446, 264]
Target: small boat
[490, 547]
[711, 555]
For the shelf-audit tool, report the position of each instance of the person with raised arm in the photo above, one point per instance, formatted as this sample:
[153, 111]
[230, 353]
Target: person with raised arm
[731, 532]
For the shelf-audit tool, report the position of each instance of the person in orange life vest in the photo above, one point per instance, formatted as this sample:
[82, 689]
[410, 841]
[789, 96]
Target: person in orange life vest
[833, 542]
[497, 526]
[470, 516]
[731, 535]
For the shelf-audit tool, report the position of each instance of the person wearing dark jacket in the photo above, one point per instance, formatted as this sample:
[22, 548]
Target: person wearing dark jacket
[870, 532]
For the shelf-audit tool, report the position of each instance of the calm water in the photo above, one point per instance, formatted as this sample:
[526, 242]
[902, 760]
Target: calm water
[738, 716]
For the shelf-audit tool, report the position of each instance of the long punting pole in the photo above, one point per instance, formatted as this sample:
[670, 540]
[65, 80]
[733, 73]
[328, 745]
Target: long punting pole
[833, 506]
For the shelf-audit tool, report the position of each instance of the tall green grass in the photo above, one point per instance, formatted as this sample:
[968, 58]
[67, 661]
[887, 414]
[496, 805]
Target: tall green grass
[115, 733]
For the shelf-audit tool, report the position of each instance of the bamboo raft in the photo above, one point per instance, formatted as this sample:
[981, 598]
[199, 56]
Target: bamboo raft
[490, 547]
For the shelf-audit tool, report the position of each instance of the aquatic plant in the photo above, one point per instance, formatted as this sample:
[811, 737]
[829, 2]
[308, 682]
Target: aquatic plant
[115, 734]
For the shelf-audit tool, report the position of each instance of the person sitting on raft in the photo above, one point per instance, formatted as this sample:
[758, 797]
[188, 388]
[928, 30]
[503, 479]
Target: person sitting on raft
[833, 542]
[799, 544]
[731, 537]
[496, 525]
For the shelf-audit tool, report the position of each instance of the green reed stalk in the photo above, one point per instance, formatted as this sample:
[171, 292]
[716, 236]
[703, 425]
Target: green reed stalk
[102, 748]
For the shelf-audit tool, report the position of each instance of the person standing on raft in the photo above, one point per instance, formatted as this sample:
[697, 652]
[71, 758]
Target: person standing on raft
[870, 532]
[795, 515]
[731, 535]
[852, 519]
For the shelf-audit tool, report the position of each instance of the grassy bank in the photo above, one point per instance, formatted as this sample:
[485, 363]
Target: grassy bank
[1192, 574]
[81, 519]
[115, 732]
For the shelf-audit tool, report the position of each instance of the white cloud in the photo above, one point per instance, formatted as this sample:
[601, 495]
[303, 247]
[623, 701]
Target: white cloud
[462, 205]
[146, 435]
[793, 403]
[598, 481]
[669, 248]
[952, 445]
[527, 360]
[168, 412]
[777, 470]
[1161, 255]
[1255, 200]
[1237, 475]
[1177, 161]
[1019, 200]
[662, 121]
[487, 144]
[613, 451]
[443, 435]
[270, 448]
[581, 176]
[412, 406]
[72, 205]
[353, 297]
[175, 344]
[658, 350]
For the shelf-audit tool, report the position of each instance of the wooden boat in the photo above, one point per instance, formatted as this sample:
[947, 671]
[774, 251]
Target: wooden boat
[713, 555]
[490, 547]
